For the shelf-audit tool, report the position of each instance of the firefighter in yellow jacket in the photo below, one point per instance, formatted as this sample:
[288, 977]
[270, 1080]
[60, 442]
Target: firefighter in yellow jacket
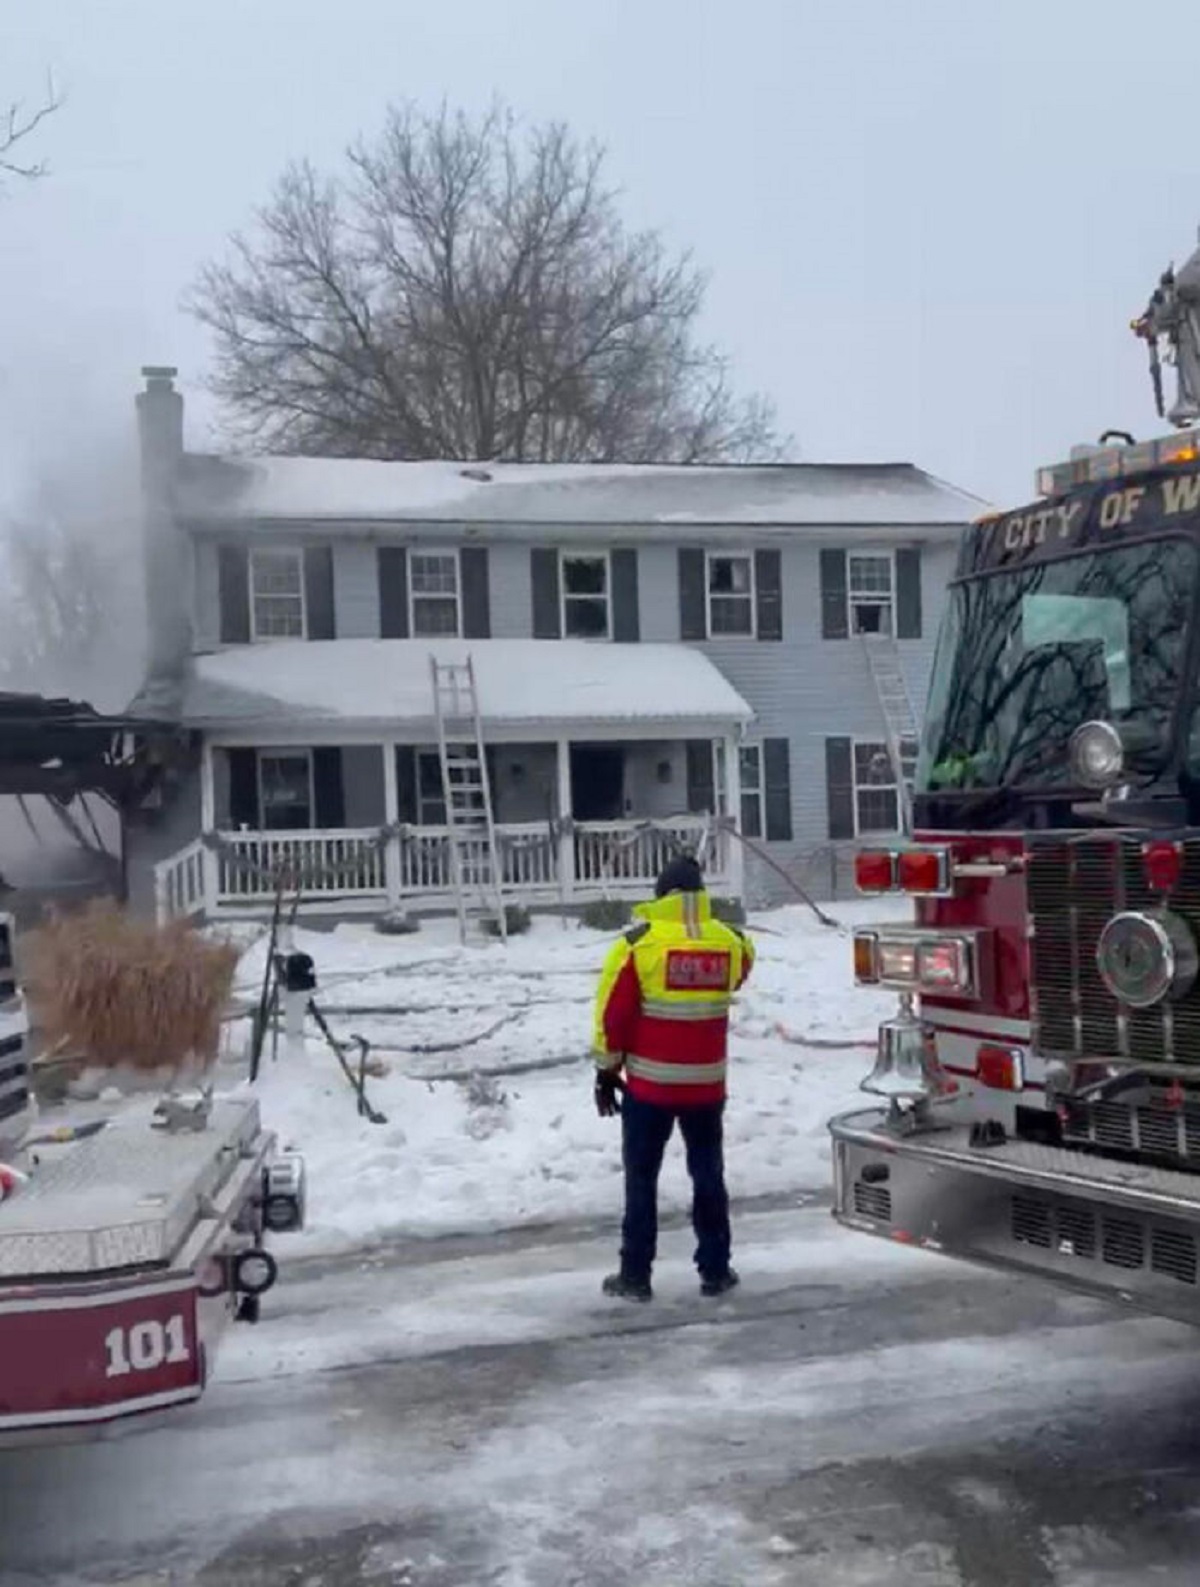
[662, 1015]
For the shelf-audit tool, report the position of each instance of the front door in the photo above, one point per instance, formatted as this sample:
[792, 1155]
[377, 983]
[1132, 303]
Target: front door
[597, 782]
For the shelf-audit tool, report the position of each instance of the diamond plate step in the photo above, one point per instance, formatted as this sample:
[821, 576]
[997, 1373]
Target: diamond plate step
[128, 1197]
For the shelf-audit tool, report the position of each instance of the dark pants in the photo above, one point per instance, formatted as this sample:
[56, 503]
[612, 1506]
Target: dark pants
[646, 1128]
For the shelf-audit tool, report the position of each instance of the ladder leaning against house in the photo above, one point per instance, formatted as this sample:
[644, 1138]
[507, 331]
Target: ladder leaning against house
[899, 718]
[475, 869]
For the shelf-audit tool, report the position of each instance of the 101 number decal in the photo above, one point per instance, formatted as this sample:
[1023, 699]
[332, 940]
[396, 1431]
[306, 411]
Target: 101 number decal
[146, 1346]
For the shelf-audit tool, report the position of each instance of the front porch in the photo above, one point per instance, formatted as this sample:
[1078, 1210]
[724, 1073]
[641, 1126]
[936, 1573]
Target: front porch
[362, 827]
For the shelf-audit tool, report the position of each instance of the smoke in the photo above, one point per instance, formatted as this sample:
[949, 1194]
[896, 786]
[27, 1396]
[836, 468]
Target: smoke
[72, 618]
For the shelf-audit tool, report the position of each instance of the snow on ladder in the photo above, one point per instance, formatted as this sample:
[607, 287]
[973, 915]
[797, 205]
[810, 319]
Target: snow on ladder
[899, 718]
[474, 853]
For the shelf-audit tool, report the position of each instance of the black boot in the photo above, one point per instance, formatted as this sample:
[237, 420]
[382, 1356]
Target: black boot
[621, 1287]
[718, 1283]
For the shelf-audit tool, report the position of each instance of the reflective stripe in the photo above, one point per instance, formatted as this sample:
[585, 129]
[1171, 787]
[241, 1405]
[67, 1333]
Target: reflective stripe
[693, 1009]
[675, 1074]
[691, 914]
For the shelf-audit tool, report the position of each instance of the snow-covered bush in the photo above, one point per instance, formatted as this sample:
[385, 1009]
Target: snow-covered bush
[606, 914]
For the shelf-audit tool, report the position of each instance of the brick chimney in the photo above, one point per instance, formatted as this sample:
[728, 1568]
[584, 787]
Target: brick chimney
[166, 550]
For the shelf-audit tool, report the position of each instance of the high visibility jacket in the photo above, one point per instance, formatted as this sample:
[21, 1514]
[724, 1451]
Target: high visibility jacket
[662, 1008]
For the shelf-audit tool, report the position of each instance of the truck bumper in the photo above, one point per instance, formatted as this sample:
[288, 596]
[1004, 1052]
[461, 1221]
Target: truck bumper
[1117, 1230]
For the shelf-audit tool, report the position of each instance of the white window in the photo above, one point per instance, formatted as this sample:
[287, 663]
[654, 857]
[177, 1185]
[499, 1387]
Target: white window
[586, 595]
[876, 790]
[286, 801]
[431, 797]
[730, 588]
[870, 587]
[277, 595]
[750, 768]
[434, 594]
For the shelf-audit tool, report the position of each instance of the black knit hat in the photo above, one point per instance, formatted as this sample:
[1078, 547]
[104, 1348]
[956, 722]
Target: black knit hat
[680, 875]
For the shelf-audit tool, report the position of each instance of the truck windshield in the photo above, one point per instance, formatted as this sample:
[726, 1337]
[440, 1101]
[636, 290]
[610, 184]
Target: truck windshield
[1028, 654]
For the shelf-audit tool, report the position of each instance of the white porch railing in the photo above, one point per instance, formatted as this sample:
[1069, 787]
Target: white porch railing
[618, 855]
[354, 869]
[180, 883]
[329, 864]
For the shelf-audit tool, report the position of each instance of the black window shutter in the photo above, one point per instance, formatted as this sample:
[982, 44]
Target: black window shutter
[839, 787]
[243, 788]
[835, 622]
[543, 571]
[476, 598]
[693, 615]
[233, 574]
[701, 789]
[329, 795]
[908, 592]
[777, 789]
[392, 566]
[318, 591]
[626, 623]
[406, 784]
[768, 594]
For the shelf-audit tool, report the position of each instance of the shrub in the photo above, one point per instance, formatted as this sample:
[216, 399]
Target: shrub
[731, 910]
[397, 923]
[606, 914]
[517, 920]
[113, 990]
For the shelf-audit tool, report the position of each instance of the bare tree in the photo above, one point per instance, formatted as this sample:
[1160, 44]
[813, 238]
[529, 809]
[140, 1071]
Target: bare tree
[467, 290]
[17, 123]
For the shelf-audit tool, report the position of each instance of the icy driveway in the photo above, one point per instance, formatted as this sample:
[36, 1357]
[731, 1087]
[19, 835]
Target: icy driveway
[473, 1415]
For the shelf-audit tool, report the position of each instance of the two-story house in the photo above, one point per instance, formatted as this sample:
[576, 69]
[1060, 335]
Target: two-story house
[663, 654]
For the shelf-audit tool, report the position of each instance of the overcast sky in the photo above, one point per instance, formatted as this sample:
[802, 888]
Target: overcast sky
[927, 222]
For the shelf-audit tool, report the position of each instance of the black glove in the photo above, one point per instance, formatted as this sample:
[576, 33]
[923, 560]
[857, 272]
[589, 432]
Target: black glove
[605, 1093]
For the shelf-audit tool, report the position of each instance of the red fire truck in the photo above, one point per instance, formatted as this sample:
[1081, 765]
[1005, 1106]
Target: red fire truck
[1038, 1092]
[132, 1234]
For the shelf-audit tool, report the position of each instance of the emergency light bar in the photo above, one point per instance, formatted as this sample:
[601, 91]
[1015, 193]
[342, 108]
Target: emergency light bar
[1112, 462]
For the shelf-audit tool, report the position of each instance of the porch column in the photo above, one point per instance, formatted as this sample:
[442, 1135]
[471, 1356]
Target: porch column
[735, 863]
[566, 839]
[391, 814]
[209, 859]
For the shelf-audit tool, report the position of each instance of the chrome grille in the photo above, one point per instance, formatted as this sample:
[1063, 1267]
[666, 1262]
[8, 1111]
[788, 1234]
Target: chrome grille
[1075, 887]
[873, 1201]
[1075, 1229]
[1153, 1129]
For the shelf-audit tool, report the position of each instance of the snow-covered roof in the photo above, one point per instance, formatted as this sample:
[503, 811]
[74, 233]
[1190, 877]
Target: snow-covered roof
[521, 682]
[784, 496]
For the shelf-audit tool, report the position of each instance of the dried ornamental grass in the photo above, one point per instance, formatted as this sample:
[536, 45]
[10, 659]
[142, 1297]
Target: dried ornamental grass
[117, 991]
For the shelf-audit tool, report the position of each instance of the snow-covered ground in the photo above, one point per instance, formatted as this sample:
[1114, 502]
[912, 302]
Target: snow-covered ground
[487, 1093]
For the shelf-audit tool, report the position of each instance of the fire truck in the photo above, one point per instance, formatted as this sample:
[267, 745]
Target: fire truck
[1036, 1098]
[132, 1232]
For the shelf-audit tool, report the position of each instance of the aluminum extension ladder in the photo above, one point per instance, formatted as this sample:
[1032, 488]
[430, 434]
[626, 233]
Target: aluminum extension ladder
[899, 718]
[475, 867]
